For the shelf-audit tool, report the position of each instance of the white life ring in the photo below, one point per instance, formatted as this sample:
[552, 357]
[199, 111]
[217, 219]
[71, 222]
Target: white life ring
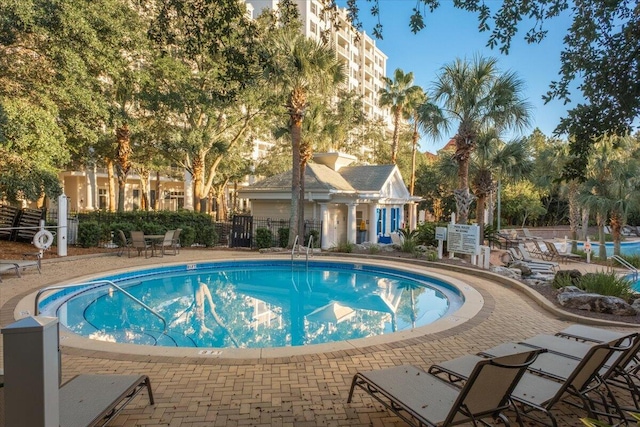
[43, 239]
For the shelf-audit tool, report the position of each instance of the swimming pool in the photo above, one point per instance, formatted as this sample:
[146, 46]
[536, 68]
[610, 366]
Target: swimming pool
[626, 248]
[254, 304]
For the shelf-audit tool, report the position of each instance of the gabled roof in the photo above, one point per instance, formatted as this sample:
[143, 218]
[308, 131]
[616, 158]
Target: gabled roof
[367, 178]
[317, 177]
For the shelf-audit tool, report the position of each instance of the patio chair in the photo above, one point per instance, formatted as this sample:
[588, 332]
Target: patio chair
[420, 398]
[555, 254]
[8, 266]
[167, 242]
[123, 243]
[22, 264]
[562, 380]
[528, 235]
[139, 243]
[91, 400]
[176, 240]
[526, 256]
[536, 267]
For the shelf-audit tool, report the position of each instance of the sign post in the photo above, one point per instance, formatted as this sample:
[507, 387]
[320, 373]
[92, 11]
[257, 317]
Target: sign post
[587, 249]
[441, 235]
[464, 239]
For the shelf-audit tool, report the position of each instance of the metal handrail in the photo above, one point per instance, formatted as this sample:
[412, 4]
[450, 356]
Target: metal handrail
[293, 249]
[101, 283]
[626, 264]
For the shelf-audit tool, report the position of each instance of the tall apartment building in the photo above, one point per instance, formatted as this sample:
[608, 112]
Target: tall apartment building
[365, 62]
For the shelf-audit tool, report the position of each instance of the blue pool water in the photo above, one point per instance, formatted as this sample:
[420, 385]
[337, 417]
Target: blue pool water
[254, 304]
[626, 248]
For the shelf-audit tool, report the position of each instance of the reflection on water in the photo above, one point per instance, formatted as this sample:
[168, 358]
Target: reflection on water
[256, 308]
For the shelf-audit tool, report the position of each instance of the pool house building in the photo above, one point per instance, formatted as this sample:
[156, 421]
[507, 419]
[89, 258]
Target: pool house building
[355, 204]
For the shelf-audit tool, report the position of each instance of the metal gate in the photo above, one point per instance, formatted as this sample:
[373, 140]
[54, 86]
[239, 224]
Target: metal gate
[241, 232]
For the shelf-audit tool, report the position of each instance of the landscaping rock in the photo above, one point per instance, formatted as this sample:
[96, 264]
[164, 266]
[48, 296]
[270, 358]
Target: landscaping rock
[573, 289]
[636, 305]
[511, 273]
[596, 303]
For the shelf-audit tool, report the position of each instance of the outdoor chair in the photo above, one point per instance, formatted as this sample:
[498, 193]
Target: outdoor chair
[22, 264]
[176, 240]
[536, 267]
[551, 379]
[555, 254]
[528, 235]
[167, 242]
[92, 400]
[8, 266]
[526, 256]
[139, 243]
[420, 398]
[123, 243]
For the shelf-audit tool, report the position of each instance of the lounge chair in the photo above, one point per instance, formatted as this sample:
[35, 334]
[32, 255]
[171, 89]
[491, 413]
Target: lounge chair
[562, 378]
[93, 400]
[535, 267]
[420, 398]
[139, 243]
[9, 266]
[526, 256]
[555, 254]
[529, 236]
[22, 264]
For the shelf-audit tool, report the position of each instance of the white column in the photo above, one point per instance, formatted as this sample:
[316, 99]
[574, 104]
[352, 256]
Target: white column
[92, 189]
[373, 237]
[351, 223]
[62, 225]
[325, 227]
[188, 190]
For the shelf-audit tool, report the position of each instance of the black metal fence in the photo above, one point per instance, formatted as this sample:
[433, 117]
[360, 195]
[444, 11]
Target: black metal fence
[279, 231]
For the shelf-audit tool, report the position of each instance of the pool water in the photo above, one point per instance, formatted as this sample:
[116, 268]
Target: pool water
[255, 304]
[626, 248]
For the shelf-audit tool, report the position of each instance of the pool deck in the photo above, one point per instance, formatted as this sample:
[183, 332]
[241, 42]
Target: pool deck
[289, 389]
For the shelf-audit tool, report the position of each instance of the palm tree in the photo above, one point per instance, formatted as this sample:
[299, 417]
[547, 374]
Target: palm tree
[477, 96]
[612, 185]
[510, 161]
[300, 67]
[397, 94]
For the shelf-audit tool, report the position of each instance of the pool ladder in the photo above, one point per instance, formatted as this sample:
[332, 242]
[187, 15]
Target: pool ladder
[100, 283]
[301, 247]
[625, 264]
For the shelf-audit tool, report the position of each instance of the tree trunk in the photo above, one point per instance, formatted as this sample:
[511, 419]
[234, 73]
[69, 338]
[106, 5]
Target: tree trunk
[296, 134]
[414, 150]
[112, 185]
[615, 221]
[480, 202]
[198, 181]
[144, 185]
[123, 163]
[156, 204]
[574, 213]
[602, 249]
[585, 224]
[396, 135]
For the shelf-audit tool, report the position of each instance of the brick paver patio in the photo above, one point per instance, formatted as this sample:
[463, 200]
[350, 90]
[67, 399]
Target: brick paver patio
[304, 390]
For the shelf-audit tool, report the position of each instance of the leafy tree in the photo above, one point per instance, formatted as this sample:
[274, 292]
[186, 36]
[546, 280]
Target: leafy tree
[398, 94]
[477, 96]
[521, 202]
[601, 46]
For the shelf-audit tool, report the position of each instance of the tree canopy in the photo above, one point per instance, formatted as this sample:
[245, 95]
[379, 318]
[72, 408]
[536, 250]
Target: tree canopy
[601, 54]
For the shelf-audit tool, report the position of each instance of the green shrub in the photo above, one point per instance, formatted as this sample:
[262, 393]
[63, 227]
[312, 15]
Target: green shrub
[564, 278]
[632, 259]
[316, 238]
[89, 234]
[153, 228]
[346, 247]
[188, 236]
[264, 238]
[283, 237]
[606, 284]
[208, 236]
[431, 255]
[374, 249]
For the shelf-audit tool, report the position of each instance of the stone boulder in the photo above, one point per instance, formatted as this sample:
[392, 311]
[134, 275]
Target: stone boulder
[636, 305]
[511, 273]
[596, 303]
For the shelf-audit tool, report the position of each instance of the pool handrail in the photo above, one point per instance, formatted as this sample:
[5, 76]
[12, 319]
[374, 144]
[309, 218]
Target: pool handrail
[626, 264]
[307, 249]
[100, 283]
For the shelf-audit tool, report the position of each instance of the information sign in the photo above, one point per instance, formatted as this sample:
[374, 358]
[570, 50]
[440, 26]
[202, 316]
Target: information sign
[463, 239]
[441, 233]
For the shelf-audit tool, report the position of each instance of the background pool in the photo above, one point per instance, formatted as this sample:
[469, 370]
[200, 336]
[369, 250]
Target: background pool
[257, 304]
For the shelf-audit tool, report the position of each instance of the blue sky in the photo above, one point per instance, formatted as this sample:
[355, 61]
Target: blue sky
[452, 33]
